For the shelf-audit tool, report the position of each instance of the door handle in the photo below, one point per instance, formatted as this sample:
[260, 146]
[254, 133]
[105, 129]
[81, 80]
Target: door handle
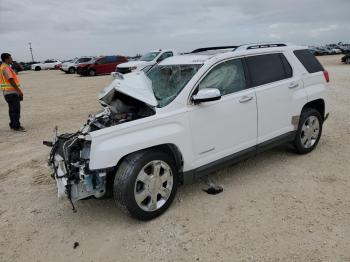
[245, 99]
[293, 85]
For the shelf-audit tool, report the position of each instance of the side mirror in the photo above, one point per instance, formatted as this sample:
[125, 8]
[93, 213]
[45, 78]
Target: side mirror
[206, 95]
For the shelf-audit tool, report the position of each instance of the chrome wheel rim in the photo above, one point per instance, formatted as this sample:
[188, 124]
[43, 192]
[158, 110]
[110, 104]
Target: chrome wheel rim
[153, 185]
[310, 131]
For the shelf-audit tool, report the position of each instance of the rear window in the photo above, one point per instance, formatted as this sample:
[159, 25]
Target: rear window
[269, 68]
[309, 61]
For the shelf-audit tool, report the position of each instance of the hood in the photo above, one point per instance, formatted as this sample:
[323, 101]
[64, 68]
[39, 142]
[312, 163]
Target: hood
[136, 85]
[66, 64]
[139, 64]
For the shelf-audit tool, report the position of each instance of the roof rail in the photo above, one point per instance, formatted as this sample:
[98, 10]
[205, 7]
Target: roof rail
[257, 46]
[214, 48]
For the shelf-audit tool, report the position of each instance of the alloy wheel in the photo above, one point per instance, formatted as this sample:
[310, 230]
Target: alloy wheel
[153, 185]
[310, 131]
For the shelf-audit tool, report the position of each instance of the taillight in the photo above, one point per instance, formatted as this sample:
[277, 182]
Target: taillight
[326, 75]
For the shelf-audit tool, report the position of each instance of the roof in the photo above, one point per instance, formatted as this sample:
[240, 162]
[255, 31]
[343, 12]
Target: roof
[203, 56]
[187, 59]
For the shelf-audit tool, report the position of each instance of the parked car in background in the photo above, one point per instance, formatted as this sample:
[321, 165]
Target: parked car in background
[47, 64]
[320, 51]
[70, 67]
[101, 65]
[28, 65]
[16, 67]
[346, 59]
[146, 61]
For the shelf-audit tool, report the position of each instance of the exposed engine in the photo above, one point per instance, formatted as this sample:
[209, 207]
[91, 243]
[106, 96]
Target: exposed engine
[70, 153]
[120, 109]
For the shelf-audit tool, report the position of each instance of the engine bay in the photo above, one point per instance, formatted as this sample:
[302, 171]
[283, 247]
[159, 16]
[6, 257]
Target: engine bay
[70, 153]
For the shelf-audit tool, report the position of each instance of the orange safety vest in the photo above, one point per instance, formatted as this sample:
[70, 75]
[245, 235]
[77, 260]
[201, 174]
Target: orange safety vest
[4, 82]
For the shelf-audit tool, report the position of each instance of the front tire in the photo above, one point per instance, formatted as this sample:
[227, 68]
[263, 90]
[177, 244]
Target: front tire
[347, 61]
[37, 68]
[309, 131]
[146, 183]
[71, 70]
[92, 72]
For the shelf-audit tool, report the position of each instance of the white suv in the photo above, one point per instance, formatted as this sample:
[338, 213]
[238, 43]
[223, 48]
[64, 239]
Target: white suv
[146, 62]
[71, 66]
[47, 64]
[188, 116]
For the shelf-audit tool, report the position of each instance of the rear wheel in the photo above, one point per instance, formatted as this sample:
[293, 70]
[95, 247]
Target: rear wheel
[146, 183]
[71, 70]
[347, 61]
[309, 131]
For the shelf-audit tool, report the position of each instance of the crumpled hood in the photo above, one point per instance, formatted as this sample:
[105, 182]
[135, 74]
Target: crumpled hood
[136, 85]
[139, 64]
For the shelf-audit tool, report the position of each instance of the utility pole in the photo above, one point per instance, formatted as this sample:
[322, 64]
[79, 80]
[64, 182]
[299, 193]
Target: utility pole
[31, 50]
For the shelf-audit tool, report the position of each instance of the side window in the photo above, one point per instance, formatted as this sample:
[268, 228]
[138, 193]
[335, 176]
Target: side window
[83, 60]
[164, 55]
[228, 77]
[287, 68]
[266, 69]
[309, 61]
[101, 61]
[110, 59]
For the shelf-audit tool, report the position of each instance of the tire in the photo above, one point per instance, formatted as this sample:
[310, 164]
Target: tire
[71, 70]
[92, 72]
[309, 131]
[139, 192]
[347, 61]
[37, 68]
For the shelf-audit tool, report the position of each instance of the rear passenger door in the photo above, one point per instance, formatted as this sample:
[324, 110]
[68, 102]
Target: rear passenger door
[279, 92]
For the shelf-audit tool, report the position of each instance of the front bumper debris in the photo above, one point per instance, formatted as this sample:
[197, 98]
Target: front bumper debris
[69, 160]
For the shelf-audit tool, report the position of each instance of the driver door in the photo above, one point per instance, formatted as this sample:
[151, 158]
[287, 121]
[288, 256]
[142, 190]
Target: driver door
[226, 126]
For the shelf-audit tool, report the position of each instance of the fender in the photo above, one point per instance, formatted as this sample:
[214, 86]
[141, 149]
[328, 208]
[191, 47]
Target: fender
[109, 147]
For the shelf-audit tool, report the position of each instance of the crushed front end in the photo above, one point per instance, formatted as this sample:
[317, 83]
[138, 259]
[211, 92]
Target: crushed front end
[69, 159]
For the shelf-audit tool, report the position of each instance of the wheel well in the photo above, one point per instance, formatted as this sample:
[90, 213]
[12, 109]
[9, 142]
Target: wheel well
[170, 149]
[318, 105]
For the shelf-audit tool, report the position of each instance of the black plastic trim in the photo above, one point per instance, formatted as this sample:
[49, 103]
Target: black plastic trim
[191, 176]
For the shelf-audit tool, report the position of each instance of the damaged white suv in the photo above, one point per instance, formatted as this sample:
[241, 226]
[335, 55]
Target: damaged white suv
[187, 117]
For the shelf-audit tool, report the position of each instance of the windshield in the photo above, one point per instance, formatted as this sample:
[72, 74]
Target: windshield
[149, 56]
[169, 80]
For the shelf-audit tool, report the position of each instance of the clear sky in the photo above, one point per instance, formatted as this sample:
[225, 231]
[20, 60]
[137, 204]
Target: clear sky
[66, 29]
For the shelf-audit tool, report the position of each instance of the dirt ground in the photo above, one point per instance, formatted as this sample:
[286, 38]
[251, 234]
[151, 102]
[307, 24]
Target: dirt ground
[278, 206]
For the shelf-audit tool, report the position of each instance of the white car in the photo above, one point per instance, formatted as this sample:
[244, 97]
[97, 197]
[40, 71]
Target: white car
[71, 67]
[187, 117]
[48, 64]
[146, 61]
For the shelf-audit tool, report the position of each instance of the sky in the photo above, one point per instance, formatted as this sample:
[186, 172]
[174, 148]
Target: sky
[70, 28]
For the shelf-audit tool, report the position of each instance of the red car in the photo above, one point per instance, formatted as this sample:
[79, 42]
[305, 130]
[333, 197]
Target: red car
[101, 65]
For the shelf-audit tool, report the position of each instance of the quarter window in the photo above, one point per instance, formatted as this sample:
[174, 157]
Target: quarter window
[269, 68]
[309, 61]
[228, 77]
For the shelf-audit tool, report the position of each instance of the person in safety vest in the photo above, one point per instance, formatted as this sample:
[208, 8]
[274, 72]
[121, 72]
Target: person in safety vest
[10, 87]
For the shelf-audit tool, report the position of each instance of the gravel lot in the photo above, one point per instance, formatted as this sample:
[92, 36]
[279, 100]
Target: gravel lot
[278, 206]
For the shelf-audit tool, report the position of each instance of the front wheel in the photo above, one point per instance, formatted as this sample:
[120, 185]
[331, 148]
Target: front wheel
[347, 61]
[309, 131]
[37, 68]
[71, 70]
[146, 183]
[92, 72]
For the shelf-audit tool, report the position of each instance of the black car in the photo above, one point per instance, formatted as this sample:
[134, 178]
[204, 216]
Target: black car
[346, 59]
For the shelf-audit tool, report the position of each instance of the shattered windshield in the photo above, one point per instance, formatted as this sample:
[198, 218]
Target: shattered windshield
[169, 80]
[149, 56]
